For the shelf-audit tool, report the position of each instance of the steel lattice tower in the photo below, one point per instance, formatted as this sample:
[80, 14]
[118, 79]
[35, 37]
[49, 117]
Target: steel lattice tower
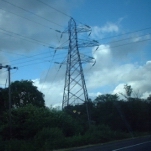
[75, 91]
[75, 87]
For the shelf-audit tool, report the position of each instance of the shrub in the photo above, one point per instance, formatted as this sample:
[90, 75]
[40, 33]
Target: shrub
[49, 138]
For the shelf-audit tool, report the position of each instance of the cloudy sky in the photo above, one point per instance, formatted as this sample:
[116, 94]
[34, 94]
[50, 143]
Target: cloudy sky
[31, 30]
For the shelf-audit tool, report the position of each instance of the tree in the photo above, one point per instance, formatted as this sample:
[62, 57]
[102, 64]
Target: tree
[29, 120]
[22, 93]
[128, 90]
[105, 110]
[106, 97]
[3, 102]
[149, 98]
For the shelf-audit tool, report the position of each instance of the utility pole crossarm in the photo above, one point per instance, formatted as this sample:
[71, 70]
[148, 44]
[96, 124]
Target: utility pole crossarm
[7, 67]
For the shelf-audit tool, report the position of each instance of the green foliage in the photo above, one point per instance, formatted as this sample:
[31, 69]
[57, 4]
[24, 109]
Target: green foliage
[128, 90]
[41, 128]
[22, 93]
[106, 98]
[128, 116]
[29, 120]
[95, 135]
[3, 102]
[49, 138]
[19, 145]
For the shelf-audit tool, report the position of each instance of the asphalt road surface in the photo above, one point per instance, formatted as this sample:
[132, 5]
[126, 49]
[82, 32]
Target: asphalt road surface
[136, 144]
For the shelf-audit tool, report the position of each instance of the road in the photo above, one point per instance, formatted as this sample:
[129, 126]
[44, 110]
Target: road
[136, 144]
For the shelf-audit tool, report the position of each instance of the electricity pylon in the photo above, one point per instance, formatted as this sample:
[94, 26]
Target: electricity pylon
[75, 91]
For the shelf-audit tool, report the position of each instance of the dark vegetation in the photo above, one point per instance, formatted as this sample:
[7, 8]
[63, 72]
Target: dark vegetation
[36, 127]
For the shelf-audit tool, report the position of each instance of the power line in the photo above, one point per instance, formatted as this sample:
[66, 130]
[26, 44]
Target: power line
[129, 38]
[34, 63]
[33, 60]
[25, 65]
[55, 76]
[55, 9]
[30, 57]
[63, 52]
[38, 54]
[95, 51]
[65, 14]
[131, 32]
[32, 20]
[31, 13]
[6, 51]
[48, 70]
[25, 37]
[21, 55]
[132, 42]
[126, 44]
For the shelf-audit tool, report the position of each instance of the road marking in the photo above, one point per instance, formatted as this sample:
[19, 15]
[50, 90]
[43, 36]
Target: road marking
[131, 146]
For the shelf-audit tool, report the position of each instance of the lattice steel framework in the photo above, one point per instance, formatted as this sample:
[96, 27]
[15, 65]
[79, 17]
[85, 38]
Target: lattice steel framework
[75, 91]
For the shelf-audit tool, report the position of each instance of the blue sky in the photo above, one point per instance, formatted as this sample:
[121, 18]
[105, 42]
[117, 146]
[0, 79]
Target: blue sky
[122, 28]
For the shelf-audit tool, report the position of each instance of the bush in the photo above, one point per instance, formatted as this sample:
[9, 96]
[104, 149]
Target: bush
[49, 138]
[19, 145]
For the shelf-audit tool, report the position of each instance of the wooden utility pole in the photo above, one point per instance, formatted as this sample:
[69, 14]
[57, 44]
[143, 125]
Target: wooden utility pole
[8, 67]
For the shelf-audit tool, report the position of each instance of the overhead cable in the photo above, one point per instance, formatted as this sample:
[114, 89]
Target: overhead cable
[54, 8]
[32, 13]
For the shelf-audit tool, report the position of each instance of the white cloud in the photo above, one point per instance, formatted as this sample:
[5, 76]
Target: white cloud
[136, 76]
[17, 24]
[98, 32]
[53, 91]
[115, 64]
[98, 78]
[110, 27]
[111, 71]
[119, 89]
[108, 72]
[22, 32]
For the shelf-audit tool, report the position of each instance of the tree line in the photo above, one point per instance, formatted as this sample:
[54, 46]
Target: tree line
[36, 127]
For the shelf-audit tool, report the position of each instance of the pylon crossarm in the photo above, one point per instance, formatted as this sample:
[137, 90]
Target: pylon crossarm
[83, 29]
[88, 44]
